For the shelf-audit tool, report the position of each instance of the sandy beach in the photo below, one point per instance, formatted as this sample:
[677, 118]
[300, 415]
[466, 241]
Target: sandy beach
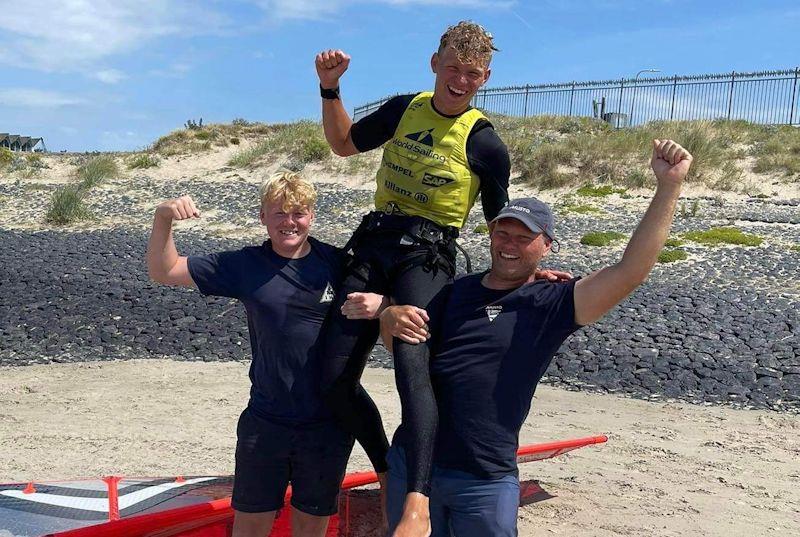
[668, 469]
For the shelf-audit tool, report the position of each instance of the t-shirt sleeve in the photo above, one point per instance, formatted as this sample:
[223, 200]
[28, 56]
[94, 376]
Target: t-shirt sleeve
[488, 158]
[377, 128]
[217, 274]
[556, 302]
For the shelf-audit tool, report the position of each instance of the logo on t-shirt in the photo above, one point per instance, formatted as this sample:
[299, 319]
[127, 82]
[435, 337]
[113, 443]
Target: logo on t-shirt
[424, 137]
[327, 294]
[493, 311]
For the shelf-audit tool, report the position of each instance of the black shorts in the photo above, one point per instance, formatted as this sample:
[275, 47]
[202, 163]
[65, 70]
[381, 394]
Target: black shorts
[269, 456]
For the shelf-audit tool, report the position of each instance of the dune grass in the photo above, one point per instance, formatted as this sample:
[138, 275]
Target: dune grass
[67, 205]
[6, 157]
[97, 170]
[142, 161]
[303, 142]
[723, 235]
[552, 151]
[601, 238]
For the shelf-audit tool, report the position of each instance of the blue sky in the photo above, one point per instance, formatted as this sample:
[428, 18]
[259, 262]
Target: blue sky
[115, 75]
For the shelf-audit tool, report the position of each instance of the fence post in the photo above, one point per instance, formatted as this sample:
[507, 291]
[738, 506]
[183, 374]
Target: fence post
[525, 111]
[794, 93]
[730, 95]
[674, 89]
[619, 104]
[571, 96]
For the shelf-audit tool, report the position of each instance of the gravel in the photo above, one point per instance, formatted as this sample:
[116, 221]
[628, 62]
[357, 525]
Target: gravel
[721, 327]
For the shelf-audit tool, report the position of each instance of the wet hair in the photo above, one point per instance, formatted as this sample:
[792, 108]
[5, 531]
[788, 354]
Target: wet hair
[470, 40]
[289, 189]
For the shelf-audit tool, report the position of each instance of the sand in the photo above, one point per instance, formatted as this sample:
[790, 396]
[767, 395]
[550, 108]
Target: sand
[667, 469]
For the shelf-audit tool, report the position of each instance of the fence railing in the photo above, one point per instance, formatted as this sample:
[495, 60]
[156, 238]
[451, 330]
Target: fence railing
[766, 97]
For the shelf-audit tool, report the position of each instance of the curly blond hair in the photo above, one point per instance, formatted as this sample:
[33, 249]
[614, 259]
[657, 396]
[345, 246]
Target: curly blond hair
[289, 189]
[470, 40]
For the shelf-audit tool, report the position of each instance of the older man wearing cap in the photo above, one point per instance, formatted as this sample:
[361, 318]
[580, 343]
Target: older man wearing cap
[500, 330]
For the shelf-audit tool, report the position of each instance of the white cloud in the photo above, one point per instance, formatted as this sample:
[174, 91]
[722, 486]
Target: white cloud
[110, 76]
[65, 35]
[33, 98]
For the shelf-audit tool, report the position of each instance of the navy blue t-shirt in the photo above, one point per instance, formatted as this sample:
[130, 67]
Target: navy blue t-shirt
[286, 302]
[491, 351]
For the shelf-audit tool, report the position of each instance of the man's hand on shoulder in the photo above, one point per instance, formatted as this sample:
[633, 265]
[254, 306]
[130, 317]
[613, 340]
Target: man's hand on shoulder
[331, 65]
[552, 275]
[181, 208]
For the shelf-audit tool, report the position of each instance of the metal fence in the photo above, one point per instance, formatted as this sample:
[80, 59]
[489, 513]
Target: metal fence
[767, 97]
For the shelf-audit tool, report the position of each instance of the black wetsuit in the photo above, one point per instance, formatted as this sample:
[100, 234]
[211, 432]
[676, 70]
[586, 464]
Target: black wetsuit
[410, 259]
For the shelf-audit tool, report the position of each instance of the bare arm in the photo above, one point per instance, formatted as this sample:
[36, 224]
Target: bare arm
[336, 122]
[596, 294]
[164, 263]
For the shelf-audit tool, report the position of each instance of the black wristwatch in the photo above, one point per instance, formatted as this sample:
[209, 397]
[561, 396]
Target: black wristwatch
[329, 93]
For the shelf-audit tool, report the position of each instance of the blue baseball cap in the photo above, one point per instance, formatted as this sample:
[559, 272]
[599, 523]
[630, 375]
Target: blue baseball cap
[535, 214]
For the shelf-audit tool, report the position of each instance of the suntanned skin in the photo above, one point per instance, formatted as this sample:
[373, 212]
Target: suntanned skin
[288, 230]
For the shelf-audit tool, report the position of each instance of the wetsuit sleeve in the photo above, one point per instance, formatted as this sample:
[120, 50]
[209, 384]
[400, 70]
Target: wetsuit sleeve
[377, 128]
[216, 274]
[488, 158]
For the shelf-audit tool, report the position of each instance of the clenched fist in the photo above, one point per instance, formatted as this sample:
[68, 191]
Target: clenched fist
[178, 209]
[670, 162]
[331, 65]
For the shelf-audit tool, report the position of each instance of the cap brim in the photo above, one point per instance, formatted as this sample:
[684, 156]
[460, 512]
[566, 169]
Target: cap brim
[532, 227]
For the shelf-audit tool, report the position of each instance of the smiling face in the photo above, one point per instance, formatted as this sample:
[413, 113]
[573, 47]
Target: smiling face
[456, 81]
[516, 252]
[288, 227]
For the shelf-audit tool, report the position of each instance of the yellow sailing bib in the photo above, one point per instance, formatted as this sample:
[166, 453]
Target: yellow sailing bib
[424, 171]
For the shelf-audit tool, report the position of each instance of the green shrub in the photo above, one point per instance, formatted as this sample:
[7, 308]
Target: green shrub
[66, 205]
[35, 161]
[637, 178]
[670, 256]
[691, 211]
[723, 235]
[204, 134]
[481, 228]
[96, 170]
[673, 243]
[247, 157]
[313, 149]
[601, 238]
[142, 160]
[6, 157]
[795, 247]
[581, 209]
[235, 140]
[591, 191]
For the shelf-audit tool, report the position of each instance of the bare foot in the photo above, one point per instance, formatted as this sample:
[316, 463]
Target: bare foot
[416, 520]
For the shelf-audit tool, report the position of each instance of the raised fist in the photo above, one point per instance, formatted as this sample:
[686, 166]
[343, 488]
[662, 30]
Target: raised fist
[670, 161]
[178, 209]
[331, 65]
